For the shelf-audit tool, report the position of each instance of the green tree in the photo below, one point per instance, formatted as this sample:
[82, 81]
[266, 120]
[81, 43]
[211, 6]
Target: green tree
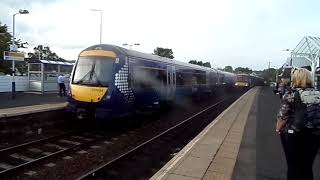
[193, 61]
[228, 69]
[207, 64]
[269, 75]
[45, 53]
[243, 70]
[200, 63]
[163, 52]
[5, 39]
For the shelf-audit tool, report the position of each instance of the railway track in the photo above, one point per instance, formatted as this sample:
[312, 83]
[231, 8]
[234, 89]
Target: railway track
[113, 169]
[15, 158]
[120, 143]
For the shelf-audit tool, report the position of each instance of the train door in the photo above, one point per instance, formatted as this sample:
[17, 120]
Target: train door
[171, 82]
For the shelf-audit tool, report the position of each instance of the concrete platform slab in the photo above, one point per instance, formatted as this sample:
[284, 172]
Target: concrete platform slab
[241, 143]
[17, 111]
[261, 155]
[199, 167]
[180, 177]
[212, 154]
[29, 99]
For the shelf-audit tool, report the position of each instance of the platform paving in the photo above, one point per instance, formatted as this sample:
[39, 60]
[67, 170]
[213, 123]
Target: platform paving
[213, 153]
[261, 155]
[29, 99]
[240, 144]
[9, 112]
[29, 102]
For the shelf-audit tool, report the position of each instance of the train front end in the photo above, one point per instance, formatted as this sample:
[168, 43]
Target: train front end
[92, 93]
[242, 81]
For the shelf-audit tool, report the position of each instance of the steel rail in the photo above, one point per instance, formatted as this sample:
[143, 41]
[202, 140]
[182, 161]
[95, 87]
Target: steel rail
[38, 160]
[93, 172]
[36, 141]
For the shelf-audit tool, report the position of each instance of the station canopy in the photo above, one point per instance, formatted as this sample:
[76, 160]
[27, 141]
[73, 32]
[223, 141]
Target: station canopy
[49, 62]
[306, 53]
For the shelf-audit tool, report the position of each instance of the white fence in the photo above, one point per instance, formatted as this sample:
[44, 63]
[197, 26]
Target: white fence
[22, 83]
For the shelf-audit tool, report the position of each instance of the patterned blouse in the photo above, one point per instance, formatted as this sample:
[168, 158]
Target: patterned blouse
[286, 108]
[286, 111]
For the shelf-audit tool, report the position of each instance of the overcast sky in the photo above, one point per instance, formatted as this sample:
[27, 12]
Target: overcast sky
[246, 33]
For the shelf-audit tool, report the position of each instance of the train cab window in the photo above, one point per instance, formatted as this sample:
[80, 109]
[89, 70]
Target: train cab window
[93, 71]
[242, 78]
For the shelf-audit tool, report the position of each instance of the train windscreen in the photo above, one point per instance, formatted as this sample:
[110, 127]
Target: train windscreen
[93, 71]
[242, 78]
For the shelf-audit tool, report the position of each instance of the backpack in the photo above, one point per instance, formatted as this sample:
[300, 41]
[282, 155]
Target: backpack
[306, 109]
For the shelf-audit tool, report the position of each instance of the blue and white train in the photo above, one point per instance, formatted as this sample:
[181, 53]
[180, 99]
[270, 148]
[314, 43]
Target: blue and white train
[110, 81]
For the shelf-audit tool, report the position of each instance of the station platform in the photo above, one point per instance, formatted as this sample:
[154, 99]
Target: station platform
[29, 102]
[240, 144]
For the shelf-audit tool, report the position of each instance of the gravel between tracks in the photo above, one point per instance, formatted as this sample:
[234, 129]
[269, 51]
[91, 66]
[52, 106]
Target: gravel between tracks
[123, 137]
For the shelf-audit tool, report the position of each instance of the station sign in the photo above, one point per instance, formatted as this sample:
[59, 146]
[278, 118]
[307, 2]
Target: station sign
[13, 47]
[13, 56]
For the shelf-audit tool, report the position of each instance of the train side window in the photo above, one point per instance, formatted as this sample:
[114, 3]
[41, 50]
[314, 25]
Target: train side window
[188, 79]
[180, 80]
[213, 78]
[221, 78]
[146, 78]
[161, 77]
[201, 77]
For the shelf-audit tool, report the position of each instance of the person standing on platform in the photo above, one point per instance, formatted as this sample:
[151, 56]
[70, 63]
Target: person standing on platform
[298, 123]
[62, 87]
[284, 86]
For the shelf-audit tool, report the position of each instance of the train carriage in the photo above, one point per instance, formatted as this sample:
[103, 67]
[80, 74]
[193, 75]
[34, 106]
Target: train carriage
[110, 81]
[247, 81]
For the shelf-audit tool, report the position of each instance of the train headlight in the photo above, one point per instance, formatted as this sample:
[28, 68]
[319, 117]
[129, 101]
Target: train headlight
[236, 84]
[106, 98]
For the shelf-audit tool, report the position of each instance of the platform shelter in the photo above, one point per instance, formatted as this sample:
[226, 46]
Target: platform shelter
[306, 54]
[43, 74]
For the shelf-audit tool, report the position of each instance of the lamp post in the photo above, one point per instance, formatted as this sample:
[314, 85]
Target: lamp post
[13, 48]
[289, 50]
[277, 73]
[269, 62]
[99, 10]
[130, 45]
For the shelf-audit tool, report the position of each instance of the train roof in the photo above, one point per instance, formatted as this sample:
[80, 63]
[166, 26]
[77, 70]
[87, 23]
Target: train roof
[227, 73]
[132, 53]
[243, 74]
[251, 75]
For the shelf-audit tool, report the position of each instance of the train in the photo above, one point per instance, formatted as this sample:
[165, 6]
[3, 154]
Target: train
[110, 81]
[246, 81]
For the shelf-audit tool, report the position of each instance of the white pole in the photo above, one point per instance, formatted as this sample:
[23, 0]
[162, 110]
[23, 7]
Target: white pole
[13, 84]
[100, 27]
[99, 10]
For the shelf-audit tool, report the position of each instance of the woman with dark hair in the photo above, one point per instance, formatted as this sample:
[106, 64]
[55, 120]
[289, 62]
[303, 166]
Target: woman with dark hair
[298, 123]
